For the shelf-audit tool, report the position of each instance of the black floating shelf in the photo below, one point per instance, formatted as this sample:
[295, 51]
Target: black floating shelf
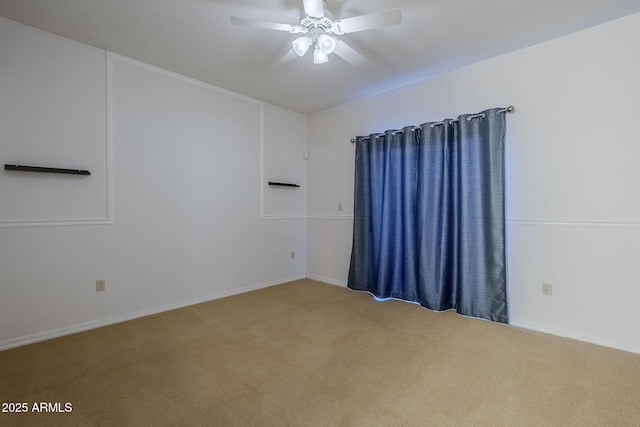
[283, 184]
[22, 168]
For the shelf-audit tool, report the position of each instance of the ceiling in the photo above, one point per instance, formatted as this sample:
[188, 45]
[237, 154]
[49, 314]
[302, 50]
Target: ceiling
[196, 38]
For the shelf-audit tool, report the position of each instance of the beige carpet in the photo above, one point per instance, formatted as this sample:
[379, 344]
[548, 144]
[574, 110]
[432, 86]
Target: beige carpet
[311, 354]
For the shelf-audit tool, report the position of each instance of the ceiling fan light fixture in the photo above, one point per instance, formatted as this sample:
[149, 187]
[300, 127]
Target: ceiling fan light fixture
[326, 43]
[301, 45]
[319, 57]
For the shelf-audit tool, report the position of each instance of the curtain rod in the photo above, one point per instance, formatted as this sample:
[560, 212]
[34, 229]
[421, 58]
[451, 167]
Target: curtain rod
[509, 109]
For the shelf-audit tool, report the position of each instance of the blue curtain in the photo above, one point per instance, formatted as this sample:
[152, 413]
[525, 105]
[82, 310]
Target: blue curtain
[429, 215]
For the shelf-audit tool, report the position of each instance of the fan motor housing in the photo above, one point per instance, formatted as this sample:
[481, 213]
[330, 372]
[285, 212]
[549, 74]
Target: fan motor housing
[308, 23]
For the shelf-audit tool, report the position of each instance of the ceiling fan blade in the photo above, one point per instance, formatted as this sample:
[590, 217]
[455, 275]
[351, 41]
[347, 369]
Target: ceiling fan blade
[368, 22]
[349, 54]
[288, 55]
[264, 24]
[314, 8]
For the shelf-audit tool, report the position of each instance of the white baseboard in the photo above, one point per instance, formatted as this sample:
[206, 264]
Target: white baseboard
[619, 345]
[42, 336]
[327, 280]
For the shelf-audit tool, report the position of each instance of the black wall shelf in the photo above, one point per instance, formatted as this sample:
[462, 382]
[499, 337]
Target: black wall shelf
[283, 184]
[23, 168]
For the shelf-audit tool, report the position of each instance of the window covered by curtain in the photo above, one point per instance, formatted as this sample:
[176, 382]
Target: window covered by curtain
[429, 216]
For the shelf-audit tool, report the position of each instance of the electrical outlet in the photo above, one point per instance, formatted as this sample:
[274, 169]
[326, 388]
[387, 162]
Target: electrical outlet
[293, 255]
[339, 207]
[101, 285]
[547, 289]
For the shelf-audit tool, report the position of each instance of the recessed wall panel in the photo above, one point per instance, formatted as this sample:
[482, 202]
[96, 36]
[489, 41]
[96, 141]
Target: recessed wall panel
[52, 114]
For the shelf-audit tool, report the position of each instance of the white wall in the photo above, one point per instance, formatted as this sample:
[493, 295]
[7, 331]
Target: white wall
[572, 148]
[186, 161]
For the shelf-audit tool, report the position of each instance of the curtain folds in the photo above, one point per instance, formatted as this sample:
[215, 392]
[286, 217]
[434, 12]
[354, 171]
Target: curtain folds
[429, 216]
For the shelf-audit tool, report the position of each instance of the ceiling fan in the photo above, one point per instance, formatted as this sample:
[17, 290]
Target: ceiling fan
[318, 26]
